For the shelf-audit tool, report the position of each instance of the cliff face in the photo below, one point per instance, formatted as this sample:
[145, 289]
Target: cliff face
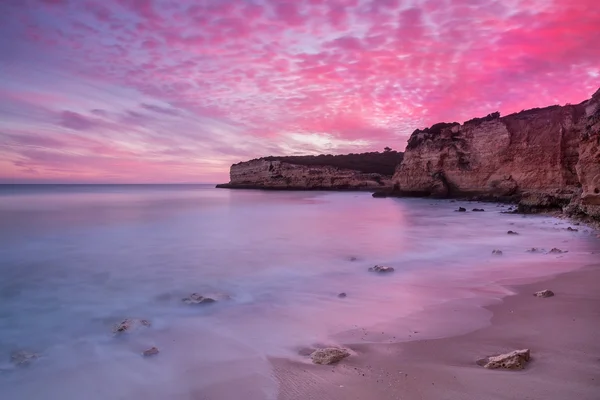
[548, 157]
[265, 174]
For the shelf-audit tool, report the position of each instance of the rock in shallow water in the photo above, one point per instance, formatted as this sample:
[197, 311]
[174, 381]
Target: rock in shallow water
[150, 352]
[129, 324]
[381, 269]
[544, 293]
[342, 295]
[461, 209]
[478, 210]
[329, 355]
[195, 298]
[512, 233]
[22, 358]
[497, 252]
[556, 251]
[514, 360]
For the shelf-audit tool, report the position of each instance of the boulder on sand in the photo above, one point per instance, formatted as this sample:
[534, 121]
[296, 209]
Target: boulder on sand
[22, 357]
[514, 360]
[381, 269]
[129, 324]
[544, 293]
[195, 298]
[329, 355]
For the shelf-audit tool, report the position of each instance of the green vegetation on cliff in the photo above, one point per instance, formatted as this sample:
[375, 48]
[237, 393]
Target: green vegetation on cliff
[383, 163]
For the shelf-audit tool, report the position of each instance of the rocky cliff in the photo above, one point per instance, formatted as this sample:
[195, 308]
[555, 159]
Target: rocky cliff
[311, 172]
[545, 158]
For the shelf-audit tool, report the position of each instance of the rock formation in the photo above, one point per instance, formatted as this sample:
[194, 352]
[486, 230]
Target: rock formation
[513, 360]
[329, 355]
[544, 158]
[367, 171]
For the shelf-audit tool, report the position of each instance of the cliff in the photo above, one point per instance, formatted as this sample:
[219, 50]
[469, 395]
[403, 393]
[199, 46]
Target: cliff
[544, 157]
[367, 171]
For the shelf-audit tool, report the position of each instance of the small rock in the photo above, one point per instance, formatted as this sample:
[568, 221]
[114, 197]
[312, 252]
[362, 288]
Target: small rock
[353, 258]
[544, 293]
[381, 269]
[533, 250]
[22, 358]
[497, 252]
[195, 298]
[342, 295]
[478, 209]
[150, 352]
[556, 251]
[129, 324]
[461, 209]
[512, 233]
[572, 229]
[513, 360]
[329, 355]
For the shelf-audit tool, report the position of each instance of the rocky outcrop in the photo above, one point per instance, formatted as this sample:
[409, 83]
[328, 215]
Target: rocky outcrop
[349, 172]
[513, 360]
[329, 355]
[544, 158]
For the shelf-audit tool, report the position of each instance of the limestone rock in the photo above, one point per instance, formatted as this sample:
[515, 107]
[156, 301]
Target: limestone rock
[544, 293]
[196, 298]
[130, 324]
[23, 358]
[548, 158]
[303, 173]
[514, 360]
[381, 269]
[150, 352]
[329, 355]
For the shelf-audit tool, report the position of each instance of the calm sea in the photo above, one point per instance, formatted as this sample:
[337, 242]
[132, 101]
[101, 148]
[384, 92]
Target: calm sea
[76, 259]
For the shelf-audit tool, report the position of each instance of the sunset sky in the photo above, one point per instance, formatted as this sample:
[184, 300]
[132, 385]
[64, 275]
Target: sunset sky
[177, 90]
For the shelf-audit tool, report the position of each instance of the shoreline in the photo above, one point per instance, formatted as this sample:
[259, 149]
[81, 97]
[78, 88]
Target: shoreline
[561, 332]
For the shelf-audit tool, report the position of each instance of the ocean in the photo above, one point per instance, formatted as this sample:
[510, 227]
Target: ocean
[77, 259]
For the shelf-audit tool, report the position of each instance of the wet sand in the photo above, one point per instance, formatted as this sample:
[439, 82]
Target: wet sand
[563, 333]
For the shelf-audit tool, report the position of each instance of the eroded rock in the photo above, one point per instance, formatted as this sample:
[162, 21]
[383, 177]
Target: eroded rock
[544, 293]
[196, 298]
[514, 360]
[329, 355]
[150, 352]
[381, 269]
[130, 324]
[23, 358]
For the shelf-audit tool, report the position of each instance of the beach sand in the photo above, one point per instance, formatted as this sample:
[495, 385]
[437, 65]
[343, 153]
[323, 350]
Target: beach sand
[563, 333]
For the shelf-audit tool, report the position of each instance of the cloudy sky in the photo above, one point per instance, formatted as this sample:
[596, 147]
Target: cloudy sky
[177, 90]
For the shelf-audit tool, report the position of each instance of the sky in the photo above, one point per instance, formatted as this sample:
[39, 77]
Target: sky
[170, 91]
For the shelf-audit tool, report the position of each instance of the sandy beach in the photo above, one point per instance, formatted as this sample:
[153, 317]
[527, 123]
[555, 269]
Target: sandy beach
[561, 331]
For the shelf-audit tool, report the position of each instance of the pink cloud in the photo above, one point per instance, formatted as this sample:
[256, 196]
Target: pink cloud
[227, 72]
